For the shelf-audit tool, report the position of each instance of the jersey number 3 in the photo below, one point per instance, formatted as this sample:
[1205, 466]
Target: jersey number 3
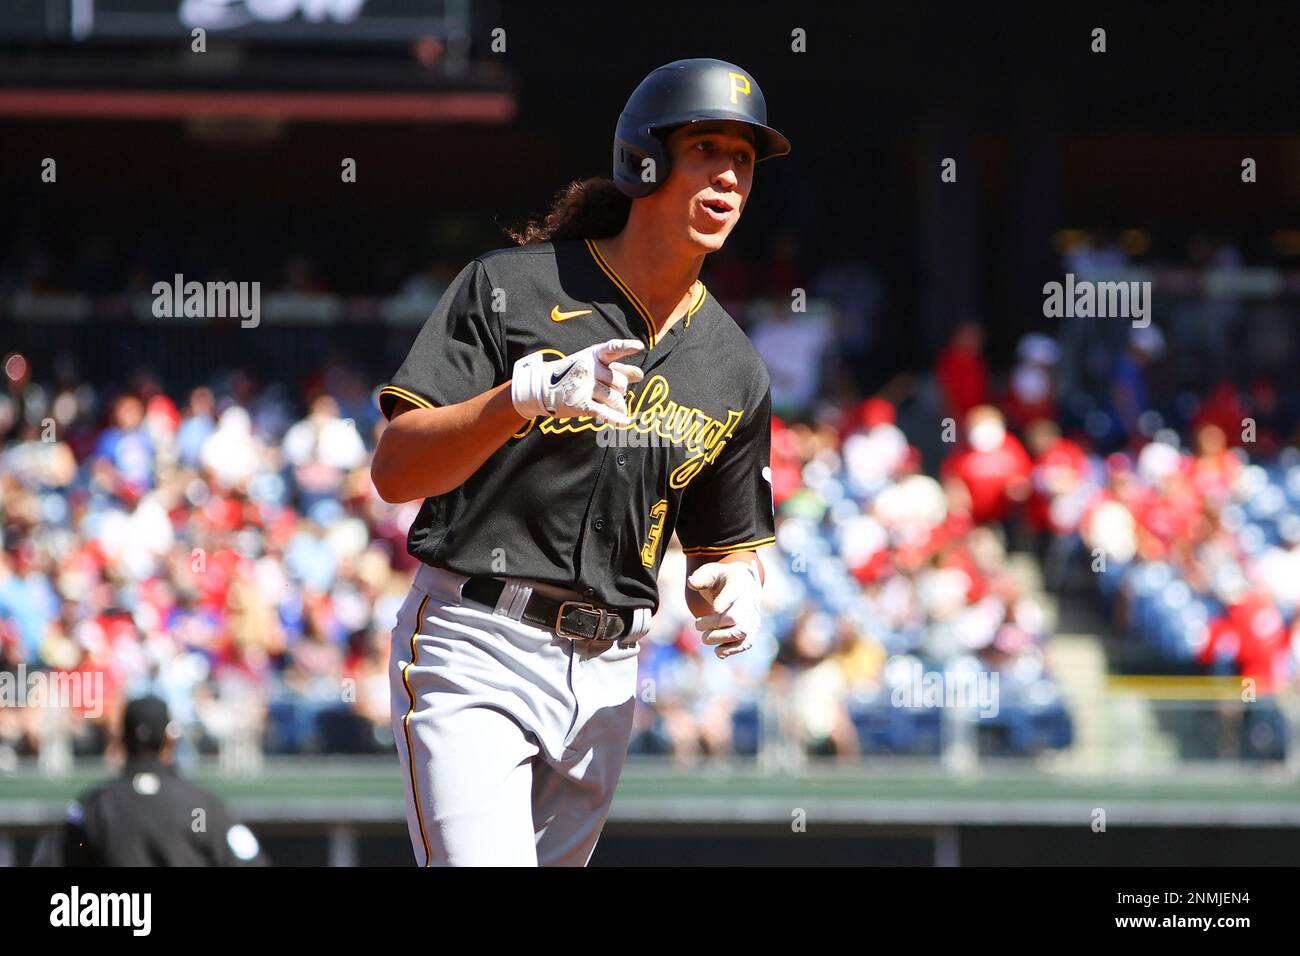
[651, 547]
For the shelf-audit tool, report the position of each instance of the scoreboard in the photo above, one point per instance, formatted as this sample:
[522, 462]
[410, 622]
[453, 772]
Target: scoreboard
[351, 21]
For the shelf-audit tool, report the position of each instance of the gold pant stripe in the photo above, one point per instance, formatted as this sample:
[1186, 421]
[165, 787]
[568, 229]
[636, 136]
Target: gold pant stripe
[406, 726]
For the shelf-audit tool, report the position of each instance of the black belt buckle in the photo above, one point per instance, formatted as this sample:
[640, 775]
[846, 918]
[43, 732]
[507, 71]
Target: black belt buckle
[598, 630]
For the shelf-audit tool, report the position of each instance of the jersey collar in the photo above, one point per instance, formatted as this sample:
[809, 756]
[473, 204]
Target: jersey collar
[604, 266]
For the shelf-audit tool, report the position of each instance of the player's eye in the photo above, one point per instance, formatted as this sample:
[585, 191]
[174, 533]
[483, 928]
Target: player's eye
[743, 157]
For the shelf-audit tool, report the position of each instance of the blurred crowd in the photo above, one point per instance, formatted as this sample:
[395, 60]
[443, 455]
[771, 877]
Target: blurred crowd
[1178, 506]
[229, 554]
[224, 549]
[880, 573]
[226, 554]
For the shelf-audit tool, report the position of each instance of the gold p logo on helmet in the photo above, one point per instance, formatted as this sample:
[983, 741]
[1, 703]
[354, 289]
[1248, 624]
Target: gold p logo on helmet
[739, 84]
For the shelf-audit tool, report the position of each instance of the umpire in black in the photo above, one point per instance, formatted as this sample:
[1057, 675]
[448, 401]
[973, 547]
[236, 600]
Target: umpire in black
[149, 816]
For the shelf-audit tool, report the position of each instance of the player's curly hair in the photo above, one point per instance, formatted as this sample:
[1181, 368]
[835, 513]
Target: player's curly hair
[590, 208]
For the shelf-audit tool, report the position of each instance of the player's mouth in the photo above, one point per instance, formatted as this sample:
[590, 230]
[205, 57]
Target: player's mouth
[719, 210]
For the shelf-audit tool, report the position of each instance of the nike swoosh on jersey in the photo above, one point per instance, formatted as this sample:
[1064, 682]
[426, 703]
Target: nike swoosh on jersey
[558, 316]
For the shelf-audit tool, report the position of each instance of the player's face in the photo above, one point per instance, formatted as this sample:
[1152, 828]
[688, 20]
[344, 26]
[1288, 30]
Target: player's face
[712, 171]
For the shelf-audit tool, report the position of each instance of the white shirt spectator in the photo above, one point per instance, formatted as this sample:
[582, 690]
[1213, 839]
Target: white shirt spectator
[231, 451]
[793, 345]
[333, 442]
[873, 458]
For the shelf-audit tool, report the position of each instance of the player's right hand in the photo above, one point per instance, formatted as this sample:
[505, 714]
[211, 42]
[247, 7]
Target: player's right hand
[735, 592]
[589, 382]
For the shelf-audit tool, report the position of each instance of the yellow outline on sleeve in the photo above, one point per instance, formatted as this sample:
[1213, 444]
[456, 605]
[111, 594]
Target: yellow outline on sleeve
[397, 391]
[729, 548]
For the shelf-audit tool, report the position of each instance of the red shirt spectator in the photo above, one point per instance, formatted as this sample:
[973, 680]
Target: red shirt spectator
[1214, 471]
[993, 466]
[962, 372]
[1253, 634]
[1169, 516]
[787, 469]
[1222, 408]
[1059, 466]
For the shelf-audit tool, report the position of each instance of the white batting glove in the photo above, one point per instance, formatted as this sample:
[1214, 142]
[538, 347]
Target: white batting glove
[733, 590]
[588, 382]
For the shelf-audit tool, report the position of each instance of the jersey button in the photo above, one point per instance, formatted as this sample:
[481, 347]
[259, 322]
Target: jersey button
[599, 524]
[589, 593]
[622, 458]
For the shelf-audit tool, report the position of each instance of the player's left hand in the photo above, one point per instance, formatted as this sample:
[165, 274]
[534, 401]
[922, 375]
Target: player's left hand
[734, 591]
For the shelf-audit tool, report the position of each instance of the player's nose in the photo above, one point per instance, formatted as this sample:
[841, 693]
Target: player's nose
[725, 179]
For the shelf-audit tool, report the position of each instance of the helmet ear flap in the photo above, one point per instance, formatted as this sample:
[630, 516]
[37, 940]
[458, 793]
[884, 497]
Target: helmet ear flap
[634, 176]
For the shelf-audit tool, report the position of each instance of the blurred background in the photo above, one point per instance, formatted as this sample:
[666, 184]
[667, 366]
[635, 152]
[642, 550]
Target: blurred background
[1094, 528]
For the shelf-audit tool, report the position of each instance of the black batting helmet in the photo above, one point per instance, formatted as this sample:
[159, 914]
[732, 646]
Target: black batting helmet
[685, 91]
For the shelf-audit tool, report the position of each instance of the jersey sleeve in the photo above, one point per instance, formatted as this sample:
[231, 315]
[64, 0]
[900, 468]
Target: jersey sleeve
[458, 353]
[729, 506]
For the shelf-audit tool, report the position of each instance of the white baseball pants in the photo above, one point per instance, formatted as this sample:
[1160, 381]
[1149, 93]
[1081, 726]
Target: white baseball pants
[511, 739]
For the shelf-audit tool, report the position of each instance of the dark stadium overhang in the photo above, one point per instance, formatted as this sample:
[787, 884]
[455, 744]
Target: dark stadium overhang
[314, 106]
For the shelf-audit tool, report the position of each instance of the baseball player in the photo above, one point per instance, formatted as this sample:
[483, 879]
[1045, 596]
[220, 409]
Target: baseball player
[569, 405]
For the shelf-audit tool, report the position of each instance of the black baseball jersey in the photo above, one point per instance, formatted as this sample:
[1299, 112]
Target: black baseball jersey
[149, 816]
[573, 501]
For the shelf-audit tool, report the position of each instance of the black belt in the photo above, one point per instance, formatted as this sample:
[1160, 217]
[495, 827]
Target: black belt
[565, 618]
